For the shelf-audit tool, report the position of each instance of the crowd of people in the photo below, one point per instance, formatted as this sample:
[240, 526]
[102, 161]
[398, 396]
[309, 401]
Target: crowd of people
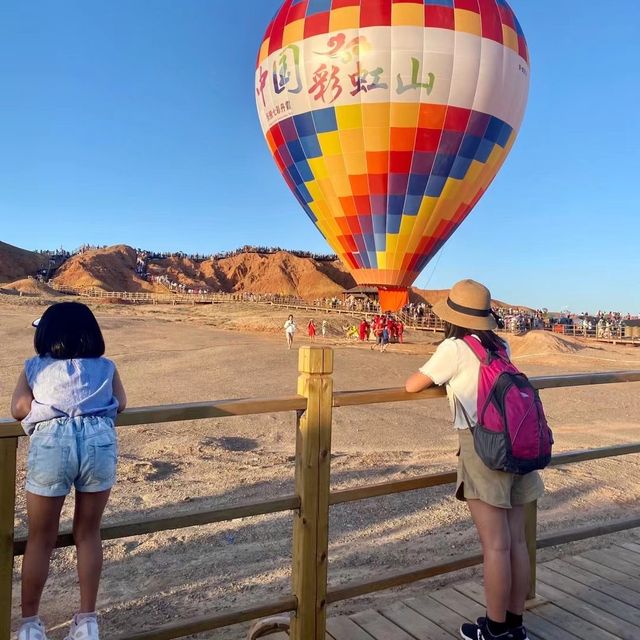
[383, 329]
[603, 325]
[517, 320]
[178, 287]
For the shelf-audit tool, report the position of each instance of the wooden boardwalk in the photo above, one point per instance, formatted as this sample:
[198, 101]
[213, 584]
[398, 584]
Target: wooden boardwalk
[592, 596]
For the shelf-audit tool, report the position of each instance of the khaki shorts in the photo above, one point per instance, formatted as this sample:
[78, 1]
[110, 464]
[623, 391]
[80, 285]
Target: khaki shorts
[498, 488]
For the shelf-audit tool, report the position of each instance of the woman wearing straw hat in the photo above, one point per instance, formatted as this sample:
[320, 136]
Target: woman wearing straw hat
[495, 499]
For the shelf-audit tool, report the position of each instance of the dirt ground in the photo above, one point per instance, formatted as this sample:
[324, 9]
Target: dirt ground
[181, 354]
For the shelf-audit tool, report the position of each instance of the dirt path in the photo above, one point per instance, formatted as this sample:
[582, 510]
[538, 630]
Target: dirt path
[183, 354]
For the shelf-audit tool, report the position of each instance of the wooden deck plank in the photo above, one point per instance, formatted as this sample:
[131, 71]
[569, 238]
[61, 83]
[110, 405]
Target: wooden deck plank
[632, 546]
[604, 572]
[281, 635]
[377, 626]
[573, 624]
[538, 628]
[343, 628]
[592, 593]
[414, 623]
[595, 581]
[467, 608]
[609, 560]
[626, 554]
[600, 617]
[437, 613]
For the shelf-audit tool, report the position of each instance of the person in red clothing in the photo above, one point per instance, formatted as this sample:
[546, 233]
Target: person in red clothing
[362, 330]
[400, 330]
[311, 329]
[391, 328]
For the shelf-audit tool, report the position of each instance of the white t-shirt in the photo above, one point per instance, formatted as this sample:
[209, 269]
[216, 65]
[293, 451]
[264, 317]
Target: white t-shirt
[290, 327]
[455, 365]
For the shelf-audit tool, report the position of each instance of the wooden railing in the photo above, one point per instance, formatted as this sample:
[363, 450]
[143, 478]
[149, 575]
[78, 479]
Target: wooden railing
[310, 504]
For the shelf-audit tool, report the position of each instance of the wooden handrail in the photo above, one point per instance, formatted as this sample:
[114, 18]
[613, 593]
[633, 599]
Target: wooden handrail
[187, 411]
[254, 406]
[192, 518]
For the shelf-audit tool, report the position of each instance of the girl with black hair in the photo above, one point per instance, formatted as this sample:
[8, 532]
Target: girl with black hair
[495, 499]
[67, 397]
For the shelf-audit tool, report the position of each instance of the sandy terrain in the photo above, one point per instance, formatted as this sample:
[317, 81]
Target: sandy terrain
[183, 354]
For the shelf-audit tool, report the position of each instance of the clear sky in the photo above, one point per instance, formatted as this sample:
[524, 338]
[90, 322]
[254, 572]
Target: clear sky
[134, 121]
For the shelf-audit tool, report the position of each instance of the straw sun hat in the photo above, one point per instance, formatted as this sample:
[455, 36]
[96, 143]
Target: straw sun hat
[468, 306]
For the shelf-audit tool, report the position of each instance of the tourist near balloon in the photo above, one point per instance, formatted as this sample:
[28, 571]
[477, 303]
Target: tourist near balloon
[389, 120]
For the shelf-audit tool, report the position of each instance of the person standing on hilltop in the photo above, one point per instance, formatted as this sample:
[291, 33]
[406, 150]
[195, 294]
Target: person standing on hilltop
[311, 330]
[289, 331]
[495, 498]
[67, 398]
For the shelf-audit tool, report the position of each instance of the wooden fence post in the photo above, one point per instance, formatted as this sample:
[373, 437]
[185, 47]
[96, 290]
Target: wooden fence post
[531, 533]
[8, 449]
[311, 524]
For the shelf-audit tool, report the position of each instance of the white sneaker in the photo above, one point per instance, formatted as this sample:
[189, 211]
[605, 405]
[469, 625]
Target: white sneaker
[86, 629]
[32, 631]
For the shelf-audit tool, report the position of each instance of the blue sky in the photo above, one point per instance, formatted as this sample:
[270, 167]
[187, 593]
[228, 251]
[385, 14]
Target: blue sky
[133, 121]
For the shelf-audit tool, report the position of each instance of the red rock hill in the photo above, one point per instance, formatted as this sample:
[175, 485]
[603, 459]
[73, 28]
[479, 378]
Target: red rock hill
[114, 269]
[111, 269]
[16, 264]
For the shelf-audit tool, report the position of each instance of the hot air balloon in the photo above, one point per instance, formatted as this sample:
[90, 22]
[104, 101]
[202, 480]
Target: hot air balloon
[389, 119]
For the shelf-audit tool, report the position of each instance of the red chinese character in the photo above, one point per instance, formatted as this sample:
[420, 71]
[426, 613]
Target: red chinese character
[325, 84]
[263, 83]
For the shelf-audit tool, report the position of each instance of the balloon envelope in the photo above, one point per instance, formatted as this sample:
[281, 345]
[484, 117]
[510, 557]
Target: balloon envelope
[389, 119]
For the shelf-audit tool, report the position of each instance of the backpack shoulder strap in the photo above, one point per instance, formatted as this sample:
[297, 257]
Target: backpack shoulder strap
[476, 346]
[481, 353]
[465, 414]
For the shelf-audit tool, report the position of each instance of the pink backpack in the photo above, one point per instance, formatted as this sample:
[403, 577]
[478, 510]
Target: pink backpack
[512, 433]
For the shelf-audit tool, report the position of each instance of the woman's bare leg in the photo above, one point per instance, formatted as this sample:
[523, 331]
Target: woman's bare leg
[43, 515]
[86, 533]
[493, 526]
[520, 568]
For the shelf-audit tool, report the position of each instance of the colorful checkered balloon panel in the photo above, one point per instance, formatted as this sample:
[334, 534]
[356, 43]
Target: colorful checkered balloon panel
[390, 118]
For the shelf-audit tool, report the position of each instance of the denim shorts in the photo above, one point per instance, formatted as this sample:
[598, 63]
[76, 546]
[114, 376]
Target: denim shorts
[78, 451]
